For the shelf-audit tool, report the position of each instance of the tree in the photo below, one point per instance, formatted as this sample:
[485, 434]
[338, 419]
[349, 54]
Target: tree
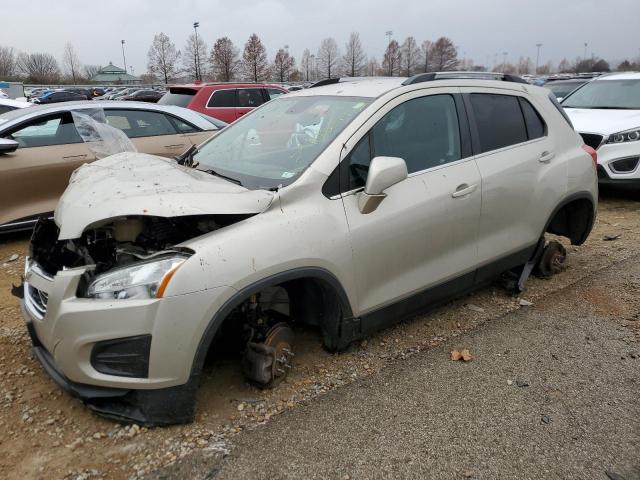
[39, 67]
[7, 62]
[305, 64]
[373, 68]
[628, 66]
[601, 65]
[354, 59]
[71, 62]
[163, 57]
[224, 59]
[254, 59]
[392, 58]
[194, 59]
[525, 65]
[410, 54]
[282, 65]
[564, 66]
[91, 71]
[425, 49]
[444, 55]
[328, 54]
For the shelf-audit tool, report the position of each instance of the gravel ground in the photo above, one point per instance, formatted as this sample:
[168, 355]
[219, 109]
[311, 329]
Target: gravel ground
[48, 434]
[552, 392]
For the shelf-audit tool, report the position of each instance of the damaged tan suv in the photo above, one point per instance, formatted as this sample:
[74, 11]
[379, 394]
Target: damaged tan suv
[347, 206]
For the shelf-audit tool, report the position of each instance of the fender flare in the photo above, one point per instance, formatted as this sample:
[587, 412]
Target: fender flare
[583, 195]
[297, 273]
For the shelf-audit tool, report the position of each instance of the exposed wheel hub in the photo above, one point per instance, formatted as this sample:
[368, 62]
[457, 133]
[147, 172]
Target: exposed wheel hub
[268, 362]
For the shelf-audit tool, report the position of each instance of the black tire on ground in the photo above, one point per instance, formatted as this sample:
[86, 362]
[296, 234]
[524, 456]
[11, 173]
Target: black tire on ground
[552, 261]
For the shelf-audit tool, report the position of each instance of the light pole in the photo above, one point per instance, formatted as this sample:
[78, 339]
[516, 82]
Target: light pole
[537, 57]
[585, 51]
[389, 34]
[197, 51]
[124, 60]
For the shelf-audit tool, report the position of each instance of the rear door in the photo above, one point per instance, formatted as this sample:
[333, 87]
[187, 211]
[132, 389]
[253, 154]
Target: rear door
[248, 99]
[34, 176]
[150, 132]
[222, 105]
[521, 179]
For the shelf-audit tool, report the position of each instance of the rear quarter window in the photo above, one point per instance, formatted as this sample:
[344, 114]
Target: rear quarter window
[499, 120]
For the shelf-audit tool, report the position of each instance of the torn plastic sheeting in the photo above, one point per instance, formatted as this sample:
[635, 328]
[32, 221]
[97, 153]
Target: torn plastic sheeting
[103, 139]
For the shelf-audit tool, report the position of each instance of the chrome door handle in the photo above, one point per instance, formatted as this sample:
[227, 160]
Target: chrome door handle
[546, 157]
[464, 190]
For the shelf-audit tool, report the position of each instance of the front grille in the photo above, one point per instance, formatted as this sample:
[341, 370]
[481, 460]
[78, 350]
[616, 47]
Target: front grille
[624, 165]
[37, 299]
[592, 139]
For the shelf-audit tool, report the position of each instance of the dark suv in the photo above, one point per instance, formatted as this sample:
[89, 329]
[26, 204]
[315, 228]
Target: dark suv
[224, 101]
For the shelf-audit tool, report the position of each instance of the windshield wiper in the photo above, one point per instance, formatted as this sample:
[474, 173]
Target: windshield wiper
[186, 158]
[216, 174]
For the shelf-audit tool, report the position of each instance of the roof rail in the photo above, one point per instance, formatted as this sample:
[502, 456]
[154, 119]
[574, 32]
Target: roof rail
[430, 77]
[326, 81]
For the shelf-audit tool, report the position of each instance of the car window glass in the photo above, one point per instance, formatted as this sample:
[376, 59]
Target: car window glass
[535, 124]
[249, 97]
[274, 93]
[359, 161]
[182, 127]
[56, 130]
[140, 123]
[499, 120]
[423, 131]
[223, 98]
[4, 109]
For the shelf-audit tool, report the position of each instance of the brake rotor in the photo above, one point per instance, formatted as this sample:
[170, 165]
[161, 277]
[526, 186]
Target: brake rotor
[552, 261]
[280, 339]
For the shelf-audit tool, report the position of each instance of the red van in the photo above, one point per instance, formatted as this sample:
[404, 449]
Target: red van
[224, 101]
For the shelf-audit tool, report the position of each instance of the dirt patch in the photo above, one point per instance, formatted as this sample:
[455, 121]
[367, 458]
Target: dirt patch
[49, 434]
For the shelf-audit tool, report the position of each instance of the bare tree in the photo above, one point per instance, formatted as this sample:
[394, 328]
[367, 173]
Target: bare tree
[163, 57]
[425, 50]
[525, 65]
[194, 60]
[354, 60]
[564, 66]
[224, 59]
[90, 71]
[410, 56]
[71, 62]
[39, 67]
[372, 68]
[392, 58]
[305, 64]
[282, 65]
[7, 62]
[254, 59]
[444, 55]
[327, 58]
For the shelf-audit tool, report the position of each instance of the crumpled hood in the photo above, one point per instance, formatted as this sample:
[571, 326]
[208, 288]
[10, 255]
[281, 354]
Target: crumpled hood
[605, 122]
[141, 184]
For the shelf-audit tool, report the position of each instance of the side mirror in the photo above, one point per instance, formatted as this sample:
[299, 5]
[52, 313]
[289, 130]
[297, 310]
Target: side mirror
[383, 173]
[8, 146]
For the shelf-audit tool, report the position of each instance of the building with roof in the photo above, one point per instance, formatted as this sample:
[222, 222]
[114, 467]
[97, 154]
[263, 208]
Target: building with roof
[112, 75]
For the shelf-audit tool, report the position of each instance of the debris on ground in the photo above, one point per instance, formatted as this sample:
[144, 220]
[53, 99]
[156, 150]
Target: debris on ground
[13, 258]
[609, 238]
[525, 303]
[546, 419]
[522, 383]
[461, 355]
[475, 308]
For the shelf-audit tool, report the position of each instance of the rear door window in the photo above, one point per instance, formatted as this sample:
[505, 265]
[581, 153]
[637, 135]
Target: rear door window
[499, 120]
[140, 123]
[250, 97]
[533, 120]
[223, 99]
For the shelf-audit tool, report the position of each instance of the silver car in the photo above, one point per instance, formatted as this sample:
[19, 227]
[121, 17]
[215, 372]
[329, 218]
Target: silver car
[348, 206]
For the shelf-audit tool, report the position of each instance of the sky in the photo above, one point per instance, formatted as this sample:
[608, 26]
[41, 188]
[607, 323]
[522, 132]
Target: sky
[482, 29]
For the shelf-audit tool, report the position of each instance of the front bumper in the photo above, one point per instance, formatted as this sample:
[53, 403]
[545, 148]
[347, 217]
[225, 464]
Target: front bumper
[64, 329]
[609, 155]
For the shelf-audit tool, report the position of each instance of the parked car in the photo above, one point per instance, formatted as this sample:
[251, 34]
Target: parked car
[85, 92]
[59, 96]
[36, 92]
[97, 91]
[348, 206]
[562, 88]
[7, 105]
[224, 101]
[151, 96]
[40, 147]
[606, 112]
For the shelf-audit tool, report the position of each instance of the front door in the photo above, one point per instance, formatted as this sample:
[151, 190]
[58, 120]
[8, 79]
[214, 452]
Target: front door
[424, 233]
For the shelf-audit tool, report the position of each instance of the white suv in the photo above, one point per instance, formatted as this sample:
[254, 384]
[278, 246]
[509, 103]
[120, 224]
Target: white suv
[606, 112]
[349, 206]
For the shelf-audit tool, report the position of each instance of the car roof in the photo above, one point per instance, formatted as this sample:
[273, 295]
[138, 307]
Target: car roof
[15, 103]
[16, 116]
[219, 85]
[619, 76]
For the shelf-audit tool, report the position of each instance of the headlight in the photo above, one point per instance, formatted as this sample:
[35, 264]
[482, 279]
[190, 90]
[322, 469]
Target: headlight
[632, 135]
[142, 280]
